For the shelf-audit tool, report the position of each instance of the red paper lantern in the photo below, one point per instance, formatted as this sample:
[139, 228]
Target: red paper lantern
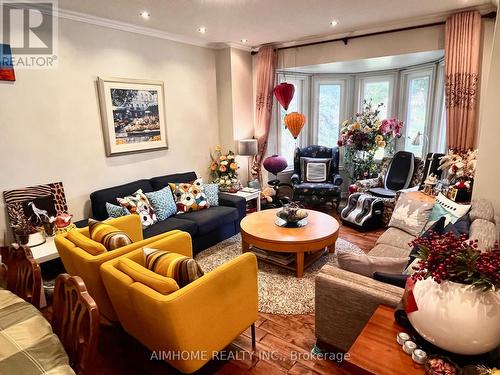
[284, 94]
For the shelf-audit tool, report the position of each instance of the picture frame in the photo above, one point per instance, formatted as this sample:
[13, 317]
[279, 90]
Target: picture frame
[132, 115]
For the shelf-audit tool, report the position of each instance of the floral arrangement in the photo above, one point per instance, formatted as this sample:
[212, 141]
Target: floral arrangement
[223, 169]
[363, 135]
[446, 257]
[459, 165]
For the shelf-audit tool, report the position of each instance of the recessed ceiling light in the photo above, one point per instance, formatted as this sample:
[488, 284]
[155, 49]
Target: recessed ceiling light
[244, 40]
[334, 23]
[202, 30]
[145, 14]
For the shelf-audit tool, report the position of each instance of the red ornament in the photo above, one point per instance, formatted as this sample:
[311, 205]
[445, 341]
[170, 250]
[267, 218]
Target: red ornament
[353, 188]
[284, 94]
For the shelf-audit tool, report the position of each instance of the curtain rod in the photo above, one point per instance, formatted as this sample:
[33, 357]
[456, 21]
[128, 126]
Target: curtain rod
[346, 39]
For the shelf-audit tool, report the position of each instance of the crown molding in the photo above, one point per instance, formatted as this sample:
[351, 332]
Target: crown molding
[241, 47]
[436, 17]
[124, 26]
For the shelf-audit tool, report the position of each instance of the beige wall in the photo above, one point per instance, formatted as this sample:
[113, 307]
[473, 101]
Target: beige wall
[234, 91]
[50, 124]
[487, 183]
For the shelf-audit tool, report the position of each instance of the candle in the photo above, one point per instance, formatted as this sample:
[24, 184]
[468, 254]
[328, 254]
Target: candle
[402, 337]
[409, 347]
[419, 356]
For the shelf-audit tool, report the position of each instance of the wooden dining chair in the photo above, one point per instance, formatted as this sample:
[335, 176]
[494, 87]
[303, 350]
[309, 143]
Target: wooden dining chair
[75, 320]
[24, 277]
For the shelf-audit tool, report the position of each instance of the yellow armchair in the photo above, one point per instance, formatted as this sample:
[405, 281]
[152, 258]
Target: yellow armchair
[79, 262]
[196, 321]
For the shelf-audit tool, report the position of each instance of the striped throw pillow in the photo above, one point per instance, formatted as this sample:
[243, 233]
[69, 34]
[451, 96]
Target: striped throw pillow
[176, 266]
[112, 238]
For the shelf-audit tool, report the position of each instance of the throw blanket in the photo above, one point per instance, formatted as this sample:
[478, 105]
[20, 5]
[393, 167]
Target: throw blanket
[27, 343]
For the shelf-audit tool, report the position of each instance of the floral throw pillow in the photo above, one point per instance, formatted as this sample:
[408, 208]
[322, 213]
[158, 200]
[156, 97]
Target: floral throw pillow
[138, 203]
[189, 196]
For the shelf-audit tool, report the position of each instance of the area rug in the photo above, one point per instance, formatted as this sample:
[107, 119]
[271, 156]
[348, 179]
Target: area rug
[280, 292]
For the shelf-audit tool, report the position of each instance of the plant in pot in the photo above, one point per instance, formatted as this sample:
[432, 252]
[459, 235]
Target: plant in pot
[453, 297]
[23, 229]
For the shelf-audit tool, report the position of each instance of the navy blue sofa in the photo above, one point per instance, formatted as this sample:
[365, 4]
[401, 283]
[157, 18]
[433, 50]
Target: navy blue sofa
[206, 227]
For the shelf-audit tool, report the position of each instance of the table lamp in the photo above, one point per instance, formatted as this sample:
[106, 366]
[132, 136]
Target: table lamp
[248, 147]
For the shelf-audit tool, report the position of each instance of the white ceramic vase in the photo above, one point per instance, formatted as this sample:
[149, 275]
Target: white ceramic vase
[457, 317]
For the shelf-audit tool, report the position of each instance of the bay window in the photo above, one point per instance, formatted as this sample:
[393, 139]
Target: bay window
[414, 95]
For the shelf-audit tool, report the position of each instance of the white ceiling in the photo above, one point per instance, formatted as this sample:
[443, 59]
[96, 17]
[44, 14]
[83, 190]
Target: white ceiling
[372, 64]
[265, 21]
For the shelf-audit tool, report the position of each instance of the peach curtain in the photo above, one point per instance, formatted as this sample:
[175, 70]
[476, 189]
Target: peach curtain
[266, 67]
[462, 44]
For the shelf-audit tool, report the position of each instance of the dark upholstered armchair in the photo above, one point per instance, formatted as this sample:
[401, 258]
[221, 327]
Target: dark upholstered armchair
[311, 184]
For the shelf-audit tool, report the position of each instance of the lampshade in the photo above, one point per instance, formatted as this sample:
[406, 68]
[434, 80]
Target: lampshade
[247, 147]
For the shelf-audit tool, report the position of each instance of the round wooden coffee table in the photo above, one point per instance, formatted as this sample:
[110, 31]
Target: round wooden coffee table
[309, 243]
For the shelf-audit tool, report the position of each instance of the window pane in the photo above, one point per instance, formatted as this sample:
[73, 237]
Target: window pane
[377, 92]
[416, 114]
[328, 115]
[287, 143]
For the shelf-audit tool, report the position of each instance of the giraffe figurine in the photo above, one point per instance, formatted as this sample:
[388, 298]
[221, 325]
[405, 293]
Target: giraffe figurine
[38, 213]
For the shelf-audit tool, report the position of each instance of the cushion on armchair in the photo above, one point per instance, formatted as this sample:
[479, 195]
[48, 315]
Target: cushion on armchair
[314, 169]
[181, 268]
[310, 188]
[162, 284]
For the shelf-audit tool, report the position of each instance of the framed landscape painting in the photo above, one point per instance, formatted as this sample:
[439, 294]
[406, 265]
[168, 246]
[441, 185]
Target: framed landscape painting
[133, 115]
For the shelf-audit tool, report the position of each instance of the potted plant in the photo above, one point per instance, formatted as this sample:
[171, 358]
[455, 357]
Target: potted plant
[455, 296]
[223, 170]
[362, 135]
[23, 229]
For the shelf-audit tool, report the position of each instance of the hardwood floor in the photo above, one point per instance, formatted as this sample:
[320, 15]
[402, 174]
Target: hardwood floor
[284, 343]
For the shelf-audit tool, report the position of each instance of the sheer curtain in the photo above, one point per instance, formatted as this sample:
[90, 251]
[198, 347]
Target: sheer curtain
[266, 67]
[462, 44]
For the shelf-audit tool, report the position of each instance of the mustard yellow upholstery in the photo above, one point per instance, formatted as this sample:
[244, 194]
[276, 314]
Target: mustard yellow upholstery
[83, 242]
[202, 317]
[79, 262]
[161, 284]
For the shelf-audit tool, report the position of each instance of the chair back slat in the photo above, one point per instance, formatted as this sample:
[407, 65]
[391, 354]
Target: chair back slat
[76, 321]
[24, 277]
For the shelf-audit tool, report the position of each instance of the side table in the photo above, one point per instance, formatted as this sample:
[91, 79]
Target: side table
[376, 351]
[248, 194]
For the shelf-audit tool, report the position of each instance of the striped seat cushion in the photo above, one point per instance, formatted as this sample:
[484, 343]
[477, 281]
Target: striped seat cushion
[176, 266]
[112, 238]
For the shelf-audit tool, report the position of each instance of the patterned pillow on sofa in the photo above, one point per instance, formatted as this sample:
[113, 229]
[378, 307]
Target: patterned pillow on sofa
[138, 203]
[189, 196]
[163, 203]
[410, 214]
[181, 268]
[115, 211]
[212, 193]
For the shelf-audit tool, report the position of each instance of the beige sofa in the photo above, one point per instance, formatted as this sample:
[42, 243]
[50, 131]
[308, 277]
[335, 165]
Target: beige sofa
[345, 301]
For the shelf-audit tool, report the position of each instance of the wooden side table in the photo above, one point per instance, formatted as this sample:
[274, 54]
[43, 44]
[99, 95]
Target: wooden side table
[248, 196]
[376, 350]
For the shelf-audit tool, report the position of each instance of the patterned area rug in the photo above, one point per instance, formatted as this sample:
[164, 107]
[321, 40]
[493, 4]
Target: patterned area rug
[280, 292]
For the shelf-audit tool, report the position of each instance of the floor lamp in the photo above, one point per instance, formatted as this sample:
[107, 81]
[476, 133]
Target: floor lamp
[248, 147]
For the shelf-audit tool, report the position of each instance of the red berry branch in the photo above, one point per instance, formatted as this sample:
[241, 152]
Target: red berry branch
[446, 257]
